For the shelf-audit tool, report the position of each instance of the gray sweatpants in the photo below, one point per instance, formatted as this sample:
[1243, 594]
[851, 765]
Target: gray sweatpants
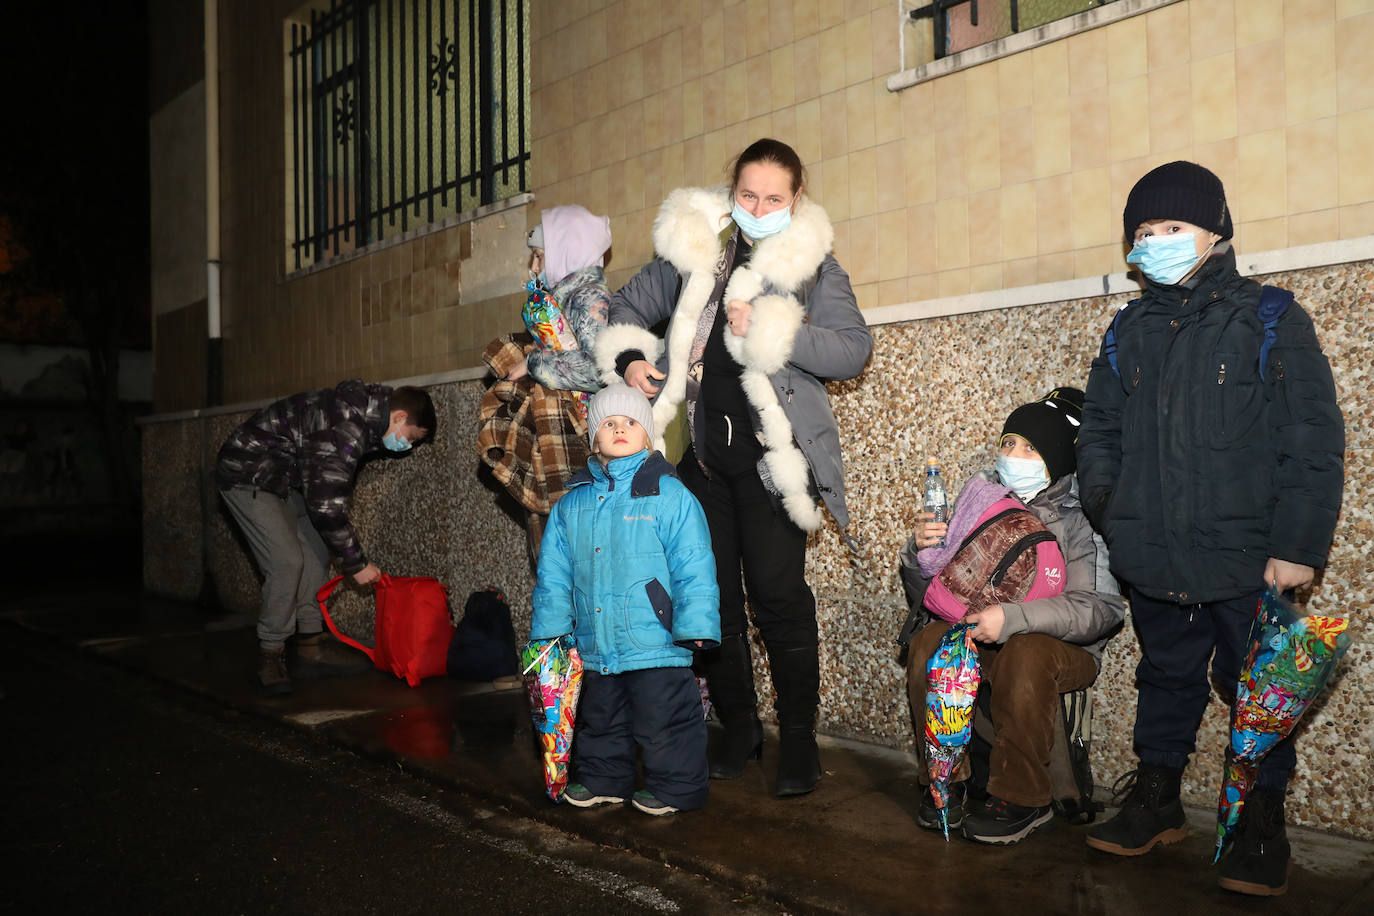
[292, 558]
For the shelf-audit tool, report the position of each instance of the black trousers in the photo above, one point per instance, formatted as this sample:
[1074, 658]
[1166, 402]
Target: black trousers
[658, 709]
[749, 534]
[1176, 643]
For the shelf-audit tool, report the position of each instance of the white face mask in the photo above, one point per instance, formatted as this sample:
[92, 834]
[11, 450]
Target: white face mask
[1025, 476]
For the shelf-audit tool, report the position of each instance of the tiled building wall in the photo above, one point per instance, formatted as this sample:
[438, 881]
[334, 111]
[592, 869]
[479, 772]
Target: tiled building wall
[940, 386]
[1009, 173]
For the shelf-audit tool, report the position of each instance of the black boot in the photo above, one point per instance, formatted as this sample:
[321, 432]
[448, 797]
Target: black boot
[1257, 860]
[730, 680]
[273, 679]
[797, 680]
[1151, 814]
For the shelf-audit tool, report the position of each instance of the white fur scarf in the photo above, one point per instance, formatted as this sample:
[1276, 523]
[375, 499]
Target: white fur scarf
[686, 234]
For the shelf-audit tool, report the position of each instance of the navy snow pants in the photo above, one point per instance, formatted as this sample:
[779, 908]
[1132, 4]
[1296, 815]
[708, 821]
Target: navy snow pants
[660, 710]
[1176, 643]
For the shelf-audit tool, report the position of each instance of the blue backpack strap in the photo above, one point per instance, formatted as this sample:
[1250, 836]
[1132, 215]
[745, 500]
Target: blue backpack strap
[1273, 302]
[1109, 340]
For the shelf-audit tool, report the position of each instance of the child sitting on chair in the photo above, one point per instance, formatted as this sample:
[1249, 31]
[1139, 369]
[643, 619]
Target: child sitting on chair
[1032, 651]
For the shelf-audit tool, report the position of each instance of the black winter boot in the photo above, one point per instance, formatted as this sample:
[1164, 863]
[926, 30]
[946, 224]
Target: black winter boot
[1150, 814]
[797, 680]
[730, 680]
[1257, 860]
[273, 679]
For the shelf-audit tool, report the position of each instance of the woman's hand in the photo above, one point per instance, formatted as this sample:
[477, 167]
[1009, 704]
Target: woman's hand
[641, 374]
[1284, 575]
[928, 531]
[518, 371]
[737, 313]
[987, 623]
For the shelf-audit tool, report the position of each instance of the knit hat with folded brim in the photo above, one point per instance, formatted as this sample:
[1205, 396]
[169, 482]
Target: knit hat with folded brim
[619, 400]
[1050, 424]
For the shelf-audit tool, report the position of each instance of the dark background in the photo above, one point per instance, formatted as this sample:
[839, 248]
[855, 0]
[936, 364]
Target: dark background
[74, 272]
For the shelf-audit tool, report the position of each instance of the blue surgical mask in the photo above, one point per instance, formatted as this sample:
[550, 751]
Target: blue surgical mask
[396, 442]
[761, 227]
[1026, 476]
[1166, 259]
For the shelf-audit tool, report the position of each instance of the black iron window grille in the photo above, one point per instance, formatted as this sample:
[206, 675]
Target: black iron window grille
[404, 112]
[962, 24]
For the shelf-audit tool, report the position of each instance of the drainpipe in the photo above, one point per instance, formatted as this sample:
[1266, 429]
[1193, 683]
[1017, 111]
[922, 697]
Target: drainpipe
[214, 353]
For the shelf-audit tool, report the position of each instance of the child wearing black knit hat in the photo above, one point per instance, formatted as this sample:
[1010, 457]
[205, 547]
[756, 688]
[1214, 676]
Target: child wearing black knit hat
[1032, 650]
[1211, 459]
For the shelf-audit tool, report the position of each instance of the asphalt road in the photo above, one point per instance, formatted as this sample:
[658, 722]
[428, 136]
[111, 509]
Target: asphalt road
[127, 796]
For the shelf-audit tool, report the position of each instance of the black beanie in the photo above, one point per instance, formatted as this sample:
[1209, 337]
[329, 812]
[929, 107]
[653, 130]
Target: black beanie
[1051, 425]
[1179, 190]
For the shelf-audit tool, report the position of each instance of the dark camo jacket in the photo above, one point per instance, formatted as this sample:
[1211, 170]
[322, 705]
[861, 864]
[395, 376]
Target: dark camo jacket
[311, 442]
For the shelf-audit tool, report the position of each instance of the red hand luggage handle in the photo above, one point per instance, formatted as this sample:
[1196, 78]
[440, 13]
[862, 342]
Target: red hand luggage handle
[323, 595]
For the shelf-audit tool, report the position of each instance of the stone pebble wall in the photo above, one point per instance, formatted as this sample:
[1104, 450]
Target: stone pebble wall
[939, 387]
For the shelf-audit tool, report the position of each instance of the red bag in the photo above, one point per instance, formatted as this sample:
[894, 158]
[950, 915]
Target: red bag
[413, 626]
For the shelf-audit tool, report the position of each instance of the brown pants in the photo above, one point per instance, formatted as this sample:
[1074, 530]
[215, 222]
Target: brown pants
[1026, 675]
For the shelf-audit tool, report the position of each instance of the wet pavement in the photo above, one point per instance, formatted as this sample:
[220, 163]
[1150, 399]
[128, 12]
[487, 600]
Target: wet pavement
[851, 846]
[123, 796]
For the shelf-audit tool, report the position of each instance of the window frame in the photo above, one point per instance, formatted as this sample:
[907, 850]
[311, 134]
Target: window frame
[1105, 14]
[398, 119]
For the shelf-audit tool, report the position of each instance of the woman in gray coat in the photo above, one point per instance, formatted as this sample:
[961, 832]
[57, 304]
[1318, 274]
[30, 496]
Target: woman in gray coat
[760, 315]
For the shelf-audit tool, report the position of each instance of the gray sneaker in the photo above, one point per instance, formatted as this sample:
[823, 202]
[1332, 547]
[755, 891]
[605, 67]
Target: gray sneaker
[645, 801]
[579, 796]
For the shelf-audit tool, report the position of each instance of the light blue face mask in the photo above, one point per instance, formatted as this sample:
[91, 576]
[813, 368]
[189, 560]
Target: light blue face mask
[1166, 259]
[1026, 476]
[761, 227]
[396, 443]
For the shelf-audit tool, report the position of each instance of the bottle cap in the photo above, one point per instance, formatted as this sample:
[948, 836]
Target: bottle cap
[932, 463]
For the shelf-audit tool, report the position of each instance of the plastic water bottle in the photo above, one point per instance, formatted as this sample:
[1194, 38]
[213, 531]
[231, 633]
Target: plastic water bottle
[935, 500]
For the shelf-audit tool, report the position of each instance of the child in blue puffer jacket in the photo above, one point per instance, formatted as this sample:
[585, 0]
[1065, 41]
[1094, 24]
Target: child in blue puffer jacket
[626, 567]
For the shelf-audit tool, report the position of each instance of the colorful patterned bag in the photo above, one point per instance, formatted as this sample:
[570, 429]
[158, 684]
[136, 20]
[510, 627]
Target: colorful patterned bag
[553, 677]
[545, 321]
[952, 679]
[1290, 660]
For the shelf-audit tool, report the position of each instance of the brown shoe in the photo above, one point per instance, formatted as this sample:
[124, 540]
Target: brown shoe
[273, 679]
[321, 655]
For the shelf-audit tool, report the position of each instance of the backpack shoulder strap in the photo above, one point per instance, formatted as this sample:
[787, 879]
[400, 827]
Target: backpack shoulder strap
[973, 535]
[1273, 302]
[1109, 340]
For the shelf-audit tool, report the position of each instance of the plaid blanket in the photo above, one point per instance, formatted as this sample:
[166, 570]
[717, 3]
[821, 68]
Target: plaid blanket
[533, 438]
